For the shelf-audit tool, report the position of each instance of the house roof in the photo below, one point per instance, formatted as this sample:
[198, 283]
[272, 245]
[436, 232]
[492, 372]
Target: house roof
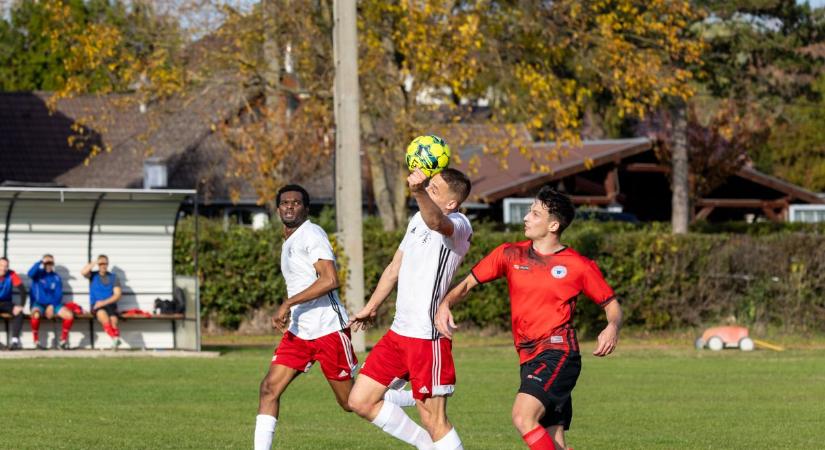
[492, 182]
[34, 142]
[793, 191]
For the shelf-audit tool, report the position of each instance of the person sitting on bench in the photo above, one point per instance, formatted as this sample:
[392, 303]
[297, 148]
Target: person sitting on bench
[47, 300]
[8, 304]
[104, 292]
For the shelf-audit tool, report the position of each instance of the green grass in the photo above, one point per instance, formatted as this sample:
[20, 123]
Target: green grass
[639, 398]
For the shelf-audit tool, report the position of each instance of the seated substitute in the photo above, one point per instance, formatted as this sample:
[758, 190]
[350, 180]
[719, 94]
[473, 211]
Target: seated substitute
[10, 305]
[47, 300]
[104, 292]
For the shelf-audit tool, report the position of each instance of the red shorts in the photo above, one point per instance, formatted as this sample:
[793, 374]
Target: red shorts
[334, 352]
[427, 364]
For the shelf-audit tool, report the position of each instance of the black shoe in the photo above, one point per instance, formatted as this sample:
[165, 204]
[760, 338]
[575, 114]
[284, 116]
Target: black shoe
[64, 345]
[15, 346]
[40, 346]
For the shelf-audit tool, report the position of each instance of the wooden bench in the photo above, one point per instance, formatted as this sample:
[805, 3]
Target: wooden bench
[173, 318]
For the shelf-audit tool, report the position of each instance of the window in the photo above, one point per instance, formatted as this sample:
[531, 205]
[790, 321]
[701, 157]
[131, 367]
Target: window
[516, 208]
[807, 213]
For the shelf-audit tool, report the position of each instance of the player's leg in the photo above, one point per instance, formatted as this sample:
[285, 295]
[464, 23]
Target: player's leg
[36, 314]
[113, 320]
[433, 412]
[367, 400]
[384, 364]
[16, 325]
[111, 310]
[103, 318]
[269, 401]
[292, 357]
[555, 423]
[527, 411]
[398, 395]
[49, 312]
[68, 319]
[433, 380]
[543, 408]
[337, 358]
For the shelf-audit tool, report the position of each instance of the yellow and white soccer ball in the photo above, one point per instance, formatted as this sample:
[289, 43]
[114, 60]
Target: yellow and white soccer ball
[429, 153]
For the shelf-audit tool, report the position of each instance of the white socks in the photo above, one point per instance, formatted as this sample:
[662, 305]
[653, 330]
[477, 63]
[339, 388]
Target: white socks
[450, 441]
[401, 398]
[391, 419]
[264, 431]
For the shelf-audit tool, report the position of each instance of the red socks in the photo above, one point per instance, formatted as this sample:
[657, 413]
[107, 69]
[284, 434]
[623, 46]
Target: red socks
[67, 325]
[36, 328]
[538, 439]
[111, 331]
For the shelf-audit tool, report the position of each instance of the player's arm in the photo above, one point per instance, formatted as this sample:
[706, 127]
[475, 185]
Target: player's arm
[21, 288]
[433, 217]
[610, 335]
[444, 317]
[36, 271]
[362, 319]
[117, 292]
[86, 271]
[326, 282]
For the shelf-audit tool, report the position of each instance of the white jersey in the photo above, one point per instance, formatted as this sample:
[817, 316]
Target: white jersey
[315, 318]
[427, 267]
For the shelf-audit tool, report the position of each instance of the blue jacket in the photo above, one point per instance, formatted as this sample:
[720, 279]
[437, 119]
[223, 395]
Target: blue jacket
[47, 287]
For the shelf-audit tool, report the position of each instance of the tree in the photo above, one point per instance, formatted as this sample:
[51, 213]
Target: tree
[421, 64]
[759, 65]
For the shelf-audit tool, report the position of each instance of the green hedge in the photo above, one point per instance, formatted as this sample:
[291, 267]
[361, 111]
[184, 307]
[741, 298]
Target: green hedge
[774, 278]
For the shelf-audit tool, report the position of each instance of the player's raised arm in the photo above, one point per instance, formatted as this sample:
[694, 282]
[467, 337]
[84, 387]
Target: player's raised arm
[362, 319]
[433, 215]
[444, 317]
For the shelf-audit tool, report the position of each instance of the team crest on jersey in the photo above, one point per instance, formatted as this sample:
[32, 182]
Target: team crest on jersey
[558, 272]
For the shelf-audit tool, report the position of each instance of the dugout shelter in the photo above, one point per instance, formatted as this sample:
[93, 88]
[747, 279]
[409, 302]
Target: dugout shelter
[135, 228]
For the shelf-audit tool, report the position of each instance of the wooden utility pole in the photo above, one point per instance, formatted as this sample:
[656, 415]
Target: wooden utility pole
[680, 186]
[348, 212]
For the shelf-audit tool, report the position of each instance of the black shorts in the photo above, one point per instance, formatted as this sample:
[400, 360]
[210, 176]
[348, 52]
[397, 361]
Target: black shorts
[111, 309]
[550, 377]
[7, 306]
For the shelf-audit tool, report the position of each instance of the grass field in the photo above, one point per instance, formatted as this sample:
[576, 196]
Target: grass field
[642, 397]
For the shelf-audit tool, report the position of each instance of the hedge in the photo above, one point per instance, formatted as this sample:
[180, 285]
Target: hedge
[768, 278]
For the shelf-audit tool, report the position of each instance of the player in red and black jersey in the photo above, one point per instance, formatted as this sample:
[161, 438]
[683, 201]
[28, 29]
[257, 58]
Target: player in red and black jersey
[544, 278]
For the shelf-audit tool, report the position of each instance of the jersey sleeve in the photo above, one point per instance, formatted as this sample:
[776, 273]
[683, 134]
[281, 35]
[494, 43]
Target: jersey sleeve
[594, 285]
[318, 247]
[492, 266]
[407, 235]
[462, 230]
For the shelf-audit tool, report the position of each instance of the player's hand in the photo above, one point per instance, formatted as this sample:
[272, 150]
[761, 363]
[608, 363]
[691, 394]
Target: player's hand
[607, 341]
[417, 180]
[444, 322]
[363, 319]
[281, 317]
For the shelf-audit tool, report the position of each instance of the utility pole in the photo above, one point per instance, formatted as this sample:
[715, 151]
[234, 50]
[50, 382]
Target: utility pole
[348, 212]
[680, 185]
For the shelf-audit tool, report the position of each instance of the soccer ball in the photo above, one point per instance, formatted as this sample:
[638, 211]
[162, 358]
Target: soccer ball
[429, 153]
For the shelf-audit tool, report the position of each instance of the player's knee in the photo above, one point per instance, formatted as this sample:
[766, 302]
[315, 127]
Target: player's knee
[358, 405]
[523, 422]
[344, 404]
[269, 390]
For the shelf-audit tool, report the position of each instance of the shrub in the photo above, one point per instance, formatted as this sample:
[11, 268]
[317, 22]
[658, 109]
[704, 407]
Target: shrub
[663, 281]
